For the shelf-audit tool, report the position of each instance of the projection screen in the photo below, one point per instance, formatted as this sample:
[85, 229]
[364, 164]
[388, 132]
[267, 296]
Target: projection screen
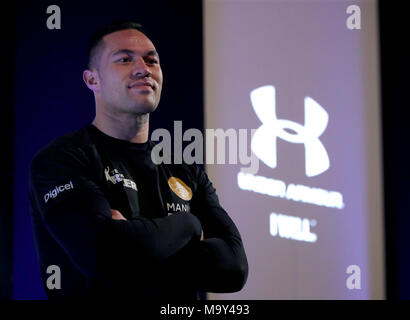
[296, 83]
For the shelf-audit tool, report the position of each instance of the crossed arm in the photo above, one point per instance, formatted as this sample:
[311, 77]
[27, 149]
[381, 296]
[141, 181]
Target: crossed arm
[93, 234]
[116, 215]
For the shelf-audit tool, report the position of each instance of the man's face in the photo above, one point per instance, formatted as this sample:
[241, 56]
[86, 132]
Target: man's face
[129, 73]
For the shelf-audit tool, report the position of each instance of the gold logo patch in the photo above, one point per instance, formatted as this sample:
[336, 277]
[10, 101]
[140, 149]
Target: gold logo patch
[180, 188]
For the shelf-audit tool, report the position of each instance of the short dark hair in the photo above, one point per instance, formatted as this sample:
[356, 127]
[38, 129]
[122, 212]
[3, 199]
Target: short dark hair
[96, 44]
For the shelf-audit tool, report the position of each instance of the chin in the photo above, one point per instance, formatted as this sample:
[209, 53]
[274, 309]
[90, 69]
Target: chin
[148, 108]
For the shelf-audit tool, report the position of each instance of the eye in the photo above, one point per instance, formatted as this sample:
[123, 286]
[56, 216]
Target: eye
[152, 61]
[125, 59]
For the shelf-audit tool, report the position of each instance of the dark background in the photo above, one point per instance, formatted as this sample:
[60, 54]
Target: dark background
[395, 80]
[43, 96]
[6, 159]
[51, 99]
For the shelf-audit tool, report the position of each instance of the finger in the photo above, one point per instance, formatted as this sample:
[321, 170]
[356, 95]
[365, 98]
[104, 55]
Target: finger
[116, 215]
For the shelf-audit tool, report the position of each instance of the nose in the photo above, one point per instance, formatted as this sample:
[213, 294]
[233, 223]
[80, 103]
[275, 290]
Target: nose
[140, 69]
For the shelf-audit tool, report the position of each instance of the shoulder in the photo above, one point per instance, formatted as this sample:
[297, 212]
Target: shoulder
[71, 146]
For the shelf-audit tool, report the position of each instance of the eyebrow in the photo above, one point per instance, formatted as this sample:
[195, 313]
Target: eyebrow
[131, 52]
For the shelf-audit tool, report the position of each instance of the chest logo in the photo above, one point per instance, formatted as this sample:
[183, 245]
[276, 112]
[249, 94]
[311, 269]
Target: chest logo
[115, 177]
[180, 188]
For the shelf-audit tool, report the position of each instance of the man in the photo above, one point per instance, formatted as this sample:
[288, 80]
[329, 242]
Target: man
[114, 223]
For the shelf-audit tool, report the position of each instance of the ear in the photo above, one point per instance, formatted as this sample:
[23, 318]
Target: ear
[91, 79]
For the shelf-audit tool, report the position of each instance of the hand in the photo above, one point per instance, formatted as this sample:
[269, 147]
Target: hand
[202, 235]
[116, 215]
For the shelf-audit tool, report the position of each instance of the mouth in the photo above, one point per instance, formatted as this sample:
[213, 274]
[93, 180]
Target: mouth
[142, 85]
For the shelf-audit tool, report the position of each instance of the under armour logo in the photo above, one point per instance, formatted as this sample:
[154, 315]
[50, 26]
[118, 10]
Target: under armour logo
[264, 140]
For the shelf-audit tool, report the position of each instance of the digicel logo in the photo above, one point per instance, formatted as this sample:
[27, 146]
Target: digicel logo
[58, 189]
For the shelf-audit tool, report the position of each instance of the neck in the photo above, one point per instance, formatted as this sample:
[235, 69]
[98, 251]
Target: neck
[133, 129]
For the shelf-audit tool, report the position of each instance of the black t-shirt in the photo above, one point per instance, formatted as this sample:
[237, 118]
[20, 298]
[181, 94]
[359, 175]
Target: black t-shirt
[156, 252]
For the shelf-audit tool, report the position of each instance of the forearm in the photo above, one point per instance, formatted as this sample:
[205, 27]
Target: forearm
[222, 267]
[212, 265]
[95, 242]
[154, 240]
